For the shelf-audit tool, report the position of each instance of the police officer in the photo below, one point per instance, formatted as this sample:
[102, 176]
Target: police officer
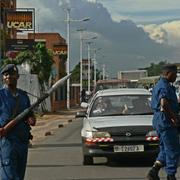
[14, 145]
[165, 106]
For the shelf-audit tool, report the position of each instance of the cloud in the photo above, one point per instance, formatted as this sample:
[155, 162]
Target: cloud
[125, 45]
[165, 33]
[156, 33]
[143, 11]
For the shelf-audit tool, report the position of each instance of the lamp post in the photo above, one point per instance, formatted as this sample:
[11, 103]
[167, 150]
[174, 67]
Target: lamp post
[81, 55]
[89, 63]
[104, 71]
[95, 79]
[37, 14]
[68, 20]
[89, 67]
[81, 50]
[95, 63]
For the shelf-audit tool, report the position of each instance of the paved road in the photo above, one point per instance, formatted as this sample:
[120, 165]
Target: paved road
[59, 157]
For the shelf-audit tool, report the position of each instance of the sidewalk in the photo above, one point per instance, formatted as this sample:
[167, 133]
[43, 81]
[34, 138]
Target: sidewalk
[49, 122]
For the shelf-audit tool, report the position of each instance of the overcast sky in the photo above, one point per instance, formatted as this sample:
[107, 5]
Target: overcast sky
[132, 34]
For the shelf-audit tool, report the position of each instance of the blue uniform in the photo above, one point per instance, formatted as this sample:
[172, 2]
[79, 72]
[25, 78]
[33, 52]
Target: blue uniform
[13, 147]
[167, 132]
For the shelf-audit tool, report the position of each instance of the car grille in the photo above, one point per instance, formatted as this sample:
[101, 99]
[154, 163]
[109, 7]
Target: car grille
[127, 131]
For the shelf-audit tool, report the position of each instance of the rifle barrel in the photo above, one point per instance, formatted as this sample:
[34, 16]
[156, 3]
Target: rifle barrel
[20, 116]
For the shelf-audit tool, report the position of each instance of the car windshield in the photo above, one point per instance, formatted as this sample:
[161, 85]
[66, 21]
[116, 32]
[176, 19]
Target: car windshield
[121, 105]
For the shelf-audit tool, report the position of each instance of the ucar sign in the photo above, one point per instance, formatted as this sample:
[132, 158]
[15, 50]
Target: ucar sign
[22, 20]
[19, 25]
[60, 50]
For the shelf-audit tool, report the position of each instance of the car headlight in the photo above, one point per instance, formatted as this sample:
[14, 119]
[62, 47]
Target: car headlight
[88, 134]
[99, 134]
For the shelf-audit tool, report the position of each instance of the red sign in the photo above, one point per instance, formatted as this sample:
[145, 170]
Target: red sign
[22, 20]
[60, 50]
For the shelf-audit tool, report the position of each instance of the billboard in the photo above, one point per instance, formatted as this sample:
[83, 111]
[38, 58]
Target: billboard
[19, 44]
[60, 50]
[20, 20]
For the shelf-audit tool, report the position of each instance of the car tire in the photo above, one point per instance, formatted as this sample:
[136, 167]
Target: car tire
[88, 160]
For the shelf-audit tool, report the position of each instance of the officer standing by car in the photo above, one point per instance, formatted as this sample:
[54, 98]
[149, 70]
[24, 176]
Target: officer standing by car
[165, 106]
[14, 144]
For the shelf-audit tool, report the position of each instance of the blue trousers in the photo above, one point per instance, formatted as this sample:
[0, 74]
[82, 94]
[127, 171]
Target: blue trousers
[169, 149]
[13, 159]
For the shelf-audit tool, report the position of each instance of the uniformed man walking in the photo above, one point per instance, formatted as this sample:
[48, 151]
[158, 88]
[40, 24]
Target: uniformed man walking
[165, 106]
[14, 144]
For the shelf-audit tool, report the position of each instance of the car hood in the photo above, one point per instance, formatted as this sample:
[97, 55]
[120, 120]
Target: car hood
[118, 121]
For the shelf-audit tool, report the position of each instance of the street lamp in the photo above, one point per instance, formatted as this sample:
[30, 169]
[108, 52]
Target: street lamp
[81, 46]
[89, 64]
[81, 56]
[104, 71]
[68, 20]
[95, 63]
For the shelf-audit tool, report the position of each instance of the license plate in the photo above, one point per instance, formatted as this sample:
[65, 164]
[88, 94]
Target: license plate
[129, 148]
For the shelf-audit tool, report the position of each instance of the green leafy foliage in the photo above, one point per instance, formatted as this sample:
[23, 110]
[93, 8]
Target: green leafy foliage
[40, 61]
[75, 77]
[155, 69]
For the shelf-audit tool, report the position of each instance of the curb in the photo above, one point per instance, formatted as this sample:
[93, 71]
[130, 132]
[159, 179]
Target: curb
[48, 123]
[47, 128]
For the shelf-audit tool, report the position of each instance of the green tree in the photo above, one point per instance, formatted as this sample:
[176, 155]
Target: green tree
[40, 61]
[75, 77]
[155, 69]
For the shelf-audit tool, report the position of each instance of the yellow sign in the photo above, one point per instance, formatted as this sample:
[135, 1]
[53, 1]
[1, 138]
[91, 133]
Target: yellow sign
[19, 20]
[60, 50]
[19, 25]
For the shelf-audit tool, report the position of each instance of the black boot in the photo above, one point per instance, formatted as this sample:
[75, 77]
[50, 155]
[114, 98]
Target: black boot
[153, 173]
[171, 177]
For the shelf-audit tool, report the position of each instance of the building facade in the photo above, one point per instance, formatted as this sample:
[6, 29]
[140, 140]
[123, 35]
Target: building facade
[132, 74]
[56, 43]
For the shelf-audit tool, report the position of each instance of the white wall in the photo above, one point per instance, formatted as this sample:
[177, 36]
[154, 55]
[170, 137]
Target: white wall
[29, 82]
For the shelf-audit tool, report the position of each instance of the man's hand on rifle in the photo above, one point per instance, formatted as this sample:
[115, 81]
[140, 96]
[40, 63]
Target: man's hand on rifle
[2, 132]
[31, 120]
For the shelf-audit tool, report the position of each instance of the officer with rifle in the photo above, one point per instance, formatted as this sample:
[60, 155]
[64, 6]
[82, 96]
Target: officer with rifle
[13, 143]
[16, 117]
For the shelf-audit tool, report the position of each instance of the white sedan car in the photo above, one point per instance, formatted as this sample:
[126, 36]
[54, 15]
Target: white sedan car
[118, 122]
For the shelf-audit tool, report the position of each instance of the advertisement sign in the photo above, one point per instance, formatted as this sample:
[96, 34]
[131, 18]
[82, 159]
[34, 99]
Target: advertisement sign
[19, 44]
[20, 20]
[60, 50]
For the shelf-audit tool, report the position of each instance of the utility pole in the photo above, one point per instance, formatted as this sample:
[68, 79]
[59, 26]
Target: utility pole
[89, 67]
[68, 20]
[95, 63]
[81, 57]
[104, 72]
[68, 56]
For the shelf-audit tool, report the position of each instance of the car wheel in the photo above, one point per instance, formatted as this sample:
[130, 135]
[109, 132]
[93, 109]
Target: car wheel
[88, 160]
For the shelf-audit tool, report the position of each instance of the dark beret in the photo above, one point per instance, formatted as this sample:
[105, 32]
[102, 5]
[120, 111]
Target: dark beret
[169, 68]
[9, 68]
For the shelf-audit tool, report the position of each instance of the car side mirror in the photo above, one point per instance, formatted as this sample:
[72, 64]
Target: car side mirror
[80, 114]
[84, 105]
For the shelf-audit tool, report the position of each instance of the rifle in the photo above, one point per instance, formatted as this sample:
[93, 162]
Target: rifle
[4, 130]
